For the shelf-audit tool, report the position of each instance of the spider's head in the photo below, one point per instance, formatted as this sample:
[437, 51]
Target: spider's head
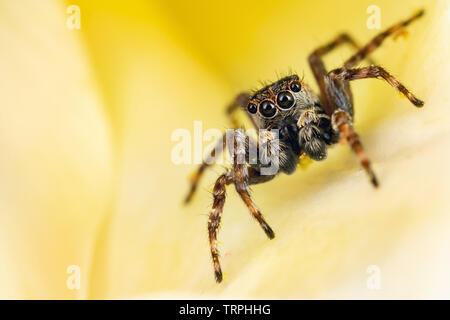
[292, 107]
[279, 100]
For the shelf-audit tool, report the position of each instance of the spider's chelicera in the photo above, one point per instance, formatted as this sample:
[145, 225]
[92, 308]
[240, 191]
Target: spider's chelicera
[307, 125]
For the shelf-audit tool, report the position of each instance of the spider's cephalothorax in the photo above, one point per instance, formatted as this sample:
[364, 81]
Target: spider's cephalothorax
[306, 124]
[292, 108]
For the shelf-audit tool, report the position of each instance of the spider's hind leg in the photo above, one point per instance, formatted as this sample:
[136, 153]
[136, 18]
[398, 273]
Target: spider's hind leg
[378, 40]
[241, 175]
[340, 39]
[241, 182]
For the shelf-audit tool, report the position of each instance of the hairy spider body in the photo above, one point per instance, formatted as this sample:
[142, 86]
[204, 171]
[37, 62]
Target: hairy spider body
[307, 124]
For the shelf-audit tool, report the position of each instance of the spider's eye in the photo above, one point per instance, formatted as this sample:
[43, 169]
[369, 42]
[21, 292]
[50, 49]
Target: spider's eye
[295, 86]
[285, 100]
[267, 109]
[252, 108]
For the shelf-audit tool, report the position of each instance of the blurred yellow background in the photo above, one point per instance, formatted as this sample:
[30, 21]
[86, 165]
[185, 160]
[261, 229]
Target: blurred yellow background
[86, 177]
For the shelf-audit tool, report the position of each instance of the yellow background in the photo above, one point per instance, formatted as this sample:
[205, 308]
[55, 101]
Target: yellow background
[86, 177]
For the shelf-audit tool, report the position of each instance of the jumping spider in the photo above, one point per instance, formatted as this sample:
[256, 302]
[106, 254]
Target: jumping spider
[307, 124]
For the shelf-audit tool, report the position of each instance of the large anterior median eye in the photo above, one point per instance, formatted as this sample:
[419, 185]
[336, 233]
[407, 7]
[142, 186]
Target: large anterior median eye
[267, 108]
[285, 100]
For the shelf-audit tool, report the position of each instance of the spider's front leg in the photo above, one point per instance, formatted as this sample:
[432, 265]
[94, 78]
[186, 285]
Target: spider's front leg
[242, 176]
[241, 179]
[219, 195]
[344, 74]
[342, 120]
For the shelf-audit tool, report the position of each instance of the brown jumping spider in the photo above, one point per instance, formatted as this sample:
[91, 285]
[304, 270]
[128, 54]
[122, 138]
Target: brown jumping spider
[307, 125]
